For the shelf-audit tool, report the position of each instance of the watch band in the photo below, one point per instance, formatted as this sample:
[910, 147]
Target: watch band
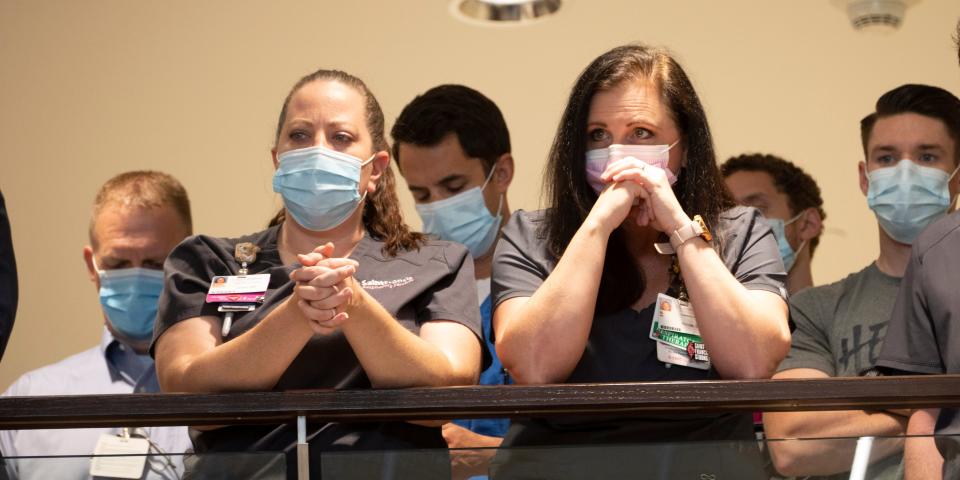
[684, 233]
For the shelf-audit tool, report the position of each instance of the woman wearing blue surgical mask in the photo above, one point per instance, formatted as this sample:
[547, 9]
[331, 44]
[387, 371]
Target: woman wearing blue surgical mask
[355, 300]
[638, 225]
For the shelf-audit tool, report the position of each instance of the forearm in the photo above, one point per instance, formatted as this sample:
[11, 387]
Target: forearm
[543, 339]
[921, 459]
[394, 357]
[730, 318]
[460, 437]
[254, 360]
[837, 432]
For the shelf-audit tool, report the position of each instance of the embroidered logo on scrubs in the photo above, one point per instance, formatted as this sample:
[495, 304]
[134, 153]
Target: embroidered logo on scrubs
[379, 284]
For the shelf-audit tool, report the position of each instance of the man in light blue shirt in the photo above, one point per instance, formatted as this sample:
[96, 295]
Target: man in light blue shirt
[138, 218]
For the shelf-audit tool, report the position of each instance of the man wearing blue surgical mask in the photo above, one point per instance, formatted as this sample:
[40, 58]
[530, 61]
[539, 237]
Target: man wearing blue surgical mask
[909, 180]
[138, 218]
[452, 147]
[790, 200]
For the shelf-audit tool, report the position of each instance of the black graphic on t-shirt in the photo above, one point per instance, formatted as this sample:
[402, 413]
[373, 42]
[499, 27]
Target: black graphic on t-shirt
[873, 345]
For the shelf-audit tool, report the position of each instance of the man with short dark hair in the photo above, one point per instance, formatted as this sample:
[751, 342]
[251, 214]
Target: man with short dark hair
[909, 178]
[452, 147]
[790, 200]
[138, 217]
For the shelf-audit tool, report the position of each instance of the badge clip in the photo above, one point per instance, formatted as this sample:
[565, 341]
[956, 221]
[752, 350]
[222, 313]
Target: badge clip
[244, 253]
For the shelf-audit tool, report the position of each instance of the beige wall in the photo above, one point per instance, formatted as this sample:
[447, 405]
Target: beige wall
[89, 89]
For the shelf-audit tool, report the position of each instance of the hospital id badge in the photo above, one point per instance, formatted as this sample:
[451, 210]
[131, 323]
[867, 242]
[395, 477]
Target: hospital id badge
[674, 327]
[119, 457]
[675, 356]
[238, 288]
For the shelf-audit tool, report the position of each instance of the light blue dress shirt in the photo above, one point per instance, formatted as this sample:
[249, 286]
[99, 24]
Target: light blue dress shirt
[109, 368]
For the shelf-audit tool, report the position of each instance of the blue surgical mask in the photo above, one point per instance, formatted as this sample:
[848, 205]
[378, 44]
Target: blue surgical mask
[908, 197]
[319, 186]
[129, 297]
[787, 254]
[463, 218]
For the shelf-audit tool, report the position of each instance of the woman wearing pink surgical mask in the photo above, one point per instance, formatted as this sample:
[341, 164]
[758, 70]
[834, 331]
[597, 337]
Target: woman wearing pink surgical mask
[639, 227]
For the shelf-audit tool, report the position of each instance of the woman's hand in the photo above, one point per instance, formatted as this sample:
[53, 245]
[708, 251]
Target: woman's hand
[613, 205]
[324, 287]
[659, 207]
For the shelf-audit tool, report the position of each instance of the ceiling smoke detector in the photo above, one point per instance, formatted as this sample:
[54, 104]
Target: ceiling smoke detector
[875, 15]
[503, 12]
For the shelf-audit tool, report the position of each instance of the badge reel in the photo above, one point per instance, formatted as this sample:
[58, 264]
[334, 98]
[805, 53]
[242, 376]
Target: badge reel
[241, 292]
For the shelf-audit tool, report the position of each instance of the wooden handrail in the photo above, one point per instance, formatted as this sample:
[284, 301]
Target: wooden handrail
[476, 402]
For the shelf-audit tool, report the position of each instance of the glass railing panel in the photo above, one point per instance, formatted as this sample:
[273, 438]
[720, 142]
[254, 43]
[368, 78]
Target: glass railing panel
[836, 458]
[855, 458]
[257, 465]
[390, 464]
[852, 458]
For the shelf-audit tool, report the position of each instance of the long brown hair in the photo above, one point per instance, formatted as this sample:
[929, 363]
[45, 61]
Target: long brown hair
[699, 188]
[381, 212]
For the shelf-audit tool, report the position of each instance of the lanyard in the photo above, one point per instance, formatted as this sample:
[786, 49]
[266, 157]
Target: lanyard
[244, 253]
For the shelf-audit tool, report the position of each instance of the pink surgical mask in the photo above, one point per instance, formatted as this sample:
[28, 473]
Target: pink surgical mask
[599, 159]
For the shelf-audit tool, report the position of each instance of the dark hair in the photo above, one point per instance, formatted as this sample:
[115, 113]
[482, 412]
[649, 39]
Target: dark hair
[142, 189]
[699, 188]
[381, 212]
[933, 102]
[458, 109]
[800, 188]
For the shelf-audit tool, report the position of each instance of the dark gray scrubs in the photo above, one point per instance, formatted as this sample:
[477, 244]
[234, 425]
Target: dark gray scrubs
[435, 282]
[8, 278]
[926, 322]
[619, 350]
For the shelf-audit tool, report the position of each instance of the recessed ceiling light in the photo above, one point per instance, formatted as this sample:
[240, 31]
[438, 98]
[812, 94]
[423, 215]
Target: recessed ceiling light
[503, 12]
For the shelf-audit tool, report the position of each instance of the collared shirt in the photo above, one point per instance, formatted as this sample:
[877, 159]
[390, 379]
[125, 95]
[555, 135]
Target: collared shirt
[109, 368]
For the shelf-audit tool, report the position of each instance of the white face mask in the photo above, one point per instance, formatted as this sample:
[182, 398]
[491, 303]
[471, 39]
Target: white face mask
[599, 159]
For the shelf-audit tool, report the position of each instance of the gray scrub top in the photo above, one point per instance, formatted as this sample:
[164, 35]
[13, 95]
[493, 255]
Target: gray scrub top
[619, 348]
[434, 282]
[923, 334]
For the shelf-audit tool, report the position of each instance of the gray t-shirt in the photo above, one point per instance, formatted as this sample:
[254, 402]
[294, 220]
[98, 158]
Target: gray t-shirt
[619, 348]
[840, 326]
[924, 336]
[839, 331]
[434, 282]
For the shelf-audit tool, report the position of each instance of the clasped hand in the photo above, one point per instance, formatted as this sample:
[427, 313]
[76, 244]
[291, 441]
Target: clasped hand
[632, 181]
[324, 288]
